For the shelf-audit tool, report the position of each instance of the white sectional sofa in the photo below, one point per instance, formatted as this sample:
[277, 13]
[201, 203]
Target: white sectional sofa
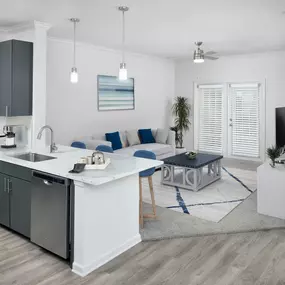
[161, 150]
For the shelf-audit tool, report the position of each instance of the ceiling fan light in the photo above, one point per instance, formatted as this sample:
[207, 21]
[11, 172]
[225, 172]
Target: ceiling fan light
[198, 56]
[198, 60]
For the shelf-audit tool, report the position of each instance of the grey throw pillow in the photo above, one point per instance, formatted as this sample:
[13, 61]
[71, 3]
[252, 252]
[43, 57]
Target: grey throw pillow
[133, 137]
[161, 136]
[123, 138]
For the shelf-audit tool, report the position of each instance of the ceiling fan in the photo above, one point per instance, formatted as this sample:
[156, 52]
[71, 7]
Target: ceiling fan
[199, 55]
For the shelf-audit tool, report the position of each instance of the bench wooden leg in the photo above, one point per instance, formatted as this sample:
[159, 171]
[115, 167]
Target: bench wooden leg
[141, 204]
[152, 195]
[141, 215]
[152, 200]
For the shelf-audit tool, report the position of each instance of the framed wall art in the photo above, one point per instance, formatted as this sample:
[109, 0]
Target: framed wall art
[115, 94]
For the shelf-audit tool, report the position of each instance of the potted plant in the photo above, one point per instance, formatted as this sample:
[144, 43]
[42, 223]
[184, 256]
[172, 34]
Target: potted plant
[174, 129]
[181, 110]
[274, 152]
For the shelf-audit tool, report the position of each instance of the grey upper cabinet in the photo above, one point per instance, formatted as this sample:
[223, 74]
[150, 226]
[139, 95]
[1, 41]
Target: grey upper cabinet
[16, 78]
[4, 201]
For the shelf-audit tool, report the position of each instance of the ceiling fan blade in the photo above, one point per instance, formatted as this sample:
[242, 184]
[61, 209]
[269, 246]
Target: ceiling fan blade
[210, 57]
[211, 52]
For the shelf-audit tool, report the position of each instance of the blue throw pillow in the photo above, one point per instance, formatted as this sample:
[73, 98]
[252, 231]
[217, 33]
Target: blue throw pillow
[146, 136]
[115, 139]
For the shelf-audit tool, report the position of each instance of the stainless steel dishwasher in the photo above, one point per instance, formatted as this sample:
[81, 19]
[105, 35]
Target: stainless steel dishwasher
[50, 212]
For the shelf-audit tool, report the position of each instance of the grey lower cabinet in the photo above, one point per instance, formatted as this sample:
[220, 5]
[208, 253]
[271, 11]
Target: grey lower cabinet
[16, 78]
[15, 204]
[20, 205]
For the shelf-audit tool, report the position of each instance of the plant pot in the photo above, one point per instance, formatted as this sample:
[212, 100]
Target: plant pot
[272, 164]
[179, 150]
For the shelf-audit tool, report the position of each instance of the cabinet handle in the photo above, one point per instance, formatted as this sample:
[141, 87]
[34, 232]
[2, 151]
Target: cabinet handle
[5, 184]
[7, 111]
[9, 185]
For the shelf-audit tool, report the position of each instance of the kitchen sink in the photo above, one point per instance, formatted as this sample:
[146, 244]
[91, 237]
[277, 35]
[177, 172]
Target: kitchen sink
[33, 157]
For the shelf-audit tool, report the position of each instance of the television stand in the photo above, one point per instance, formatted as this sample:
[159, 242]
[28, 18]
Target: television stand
[270, 190]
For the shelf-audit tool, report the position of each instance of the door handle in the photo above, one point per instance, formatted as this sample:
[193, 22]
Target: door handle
[46, 182]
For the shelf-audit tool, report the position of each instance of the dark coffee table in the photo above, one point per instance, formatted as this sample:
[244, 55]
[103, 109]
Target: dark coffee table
[192, 174]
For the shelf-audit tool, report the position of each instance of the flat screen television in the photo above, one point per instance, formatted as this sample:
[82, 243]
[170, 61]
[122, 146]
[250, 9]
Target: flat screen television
[280, 126]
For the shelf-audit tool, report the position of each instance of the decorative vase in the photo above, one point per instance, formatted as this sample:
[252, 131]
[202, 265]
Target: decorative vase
[191, 155]
[180, 150]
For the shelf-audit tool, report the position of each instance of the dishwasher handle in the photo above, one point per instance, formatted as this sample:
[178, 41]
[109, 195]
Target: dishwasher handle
[48, 183]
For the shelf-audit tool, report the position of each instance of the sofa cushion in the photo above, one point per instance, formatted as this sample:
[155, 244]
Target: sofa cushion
[146, 136]
[123, 138]
[92, 144]
[157, 148]
[132, 137]
[115, 139]
[127, 151]
[161, 136]
[154, 132]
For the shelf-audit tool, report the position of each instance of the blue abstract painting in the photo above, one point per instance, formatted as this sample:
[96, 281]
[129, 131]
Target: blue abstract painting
[115, 94]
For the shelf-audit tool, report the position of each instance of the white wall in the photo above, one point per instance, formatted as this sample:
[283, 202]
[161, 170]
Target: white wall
[246, 68]
[72, 108]
[23, 133]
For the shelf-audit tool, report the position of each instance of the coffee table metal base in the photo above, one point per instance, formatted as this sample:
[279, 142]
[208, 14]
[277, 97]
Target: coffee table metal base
[190, 178]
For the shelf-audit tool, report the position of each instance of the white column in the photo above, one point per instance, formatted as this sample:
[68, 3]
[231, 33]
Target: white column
[39, 82]
[106, 222]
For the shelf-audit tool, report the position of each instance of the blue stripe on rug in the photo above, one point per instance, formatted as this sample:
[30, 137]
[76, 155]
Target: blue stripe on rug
[234, 177]
[184, 206]
[208, 204]
[180, 201]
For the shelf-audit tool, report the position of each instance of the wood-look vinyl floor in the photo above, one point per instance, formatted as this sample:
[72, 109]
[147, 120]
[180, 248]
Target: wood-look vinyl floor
[247, 258]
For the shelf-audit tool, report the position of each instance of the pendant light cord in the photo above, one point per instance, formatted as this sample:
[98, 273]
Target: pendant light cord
[74, 45]
[123, 38]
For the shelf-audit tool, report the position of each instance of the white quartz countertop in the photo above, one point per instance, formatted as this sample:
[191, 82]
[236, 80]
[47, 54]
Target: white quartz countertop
[66, 157]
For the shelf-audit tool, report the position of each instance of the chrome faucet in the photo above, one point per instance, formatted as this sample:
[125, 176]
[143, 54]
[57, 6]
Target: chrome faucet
[52, 143]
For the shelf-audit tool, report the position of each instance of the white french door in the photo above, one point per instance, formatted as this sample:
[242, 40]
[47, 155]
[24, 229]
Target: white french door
[227, 120]
[244, 120]
[210, 118]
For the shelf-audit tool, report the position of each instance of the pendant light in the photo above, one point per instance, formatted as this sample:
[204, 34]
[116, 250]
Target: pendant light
[123, 73]
[74, 73]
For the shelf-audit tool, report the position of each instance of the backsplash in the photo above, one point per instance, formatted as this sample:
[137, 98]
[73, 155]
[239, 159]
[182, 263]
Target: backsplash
[23, 131]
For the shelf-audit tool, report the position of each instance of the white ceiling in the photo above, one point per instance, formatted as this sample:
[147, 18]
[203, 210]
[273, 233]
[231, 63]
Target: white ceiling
[161, 27]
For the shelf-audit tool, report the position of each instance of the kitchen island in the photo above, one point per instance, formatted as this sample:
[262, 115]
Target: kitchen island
[104, 216]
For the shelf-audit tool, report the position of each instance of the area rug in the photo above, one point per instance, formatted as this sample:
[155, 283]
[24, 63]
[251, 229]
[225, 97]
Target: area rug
[211, 203]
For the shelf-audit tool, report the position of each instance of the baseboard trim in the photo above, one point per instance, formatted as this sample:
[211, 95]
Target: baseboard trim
[82, 270]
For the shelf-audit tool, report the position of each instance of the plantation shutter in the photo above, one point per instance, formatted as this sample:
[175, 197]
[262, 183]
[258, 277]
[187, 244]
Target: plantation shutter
[210, 119]
[245, 120]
